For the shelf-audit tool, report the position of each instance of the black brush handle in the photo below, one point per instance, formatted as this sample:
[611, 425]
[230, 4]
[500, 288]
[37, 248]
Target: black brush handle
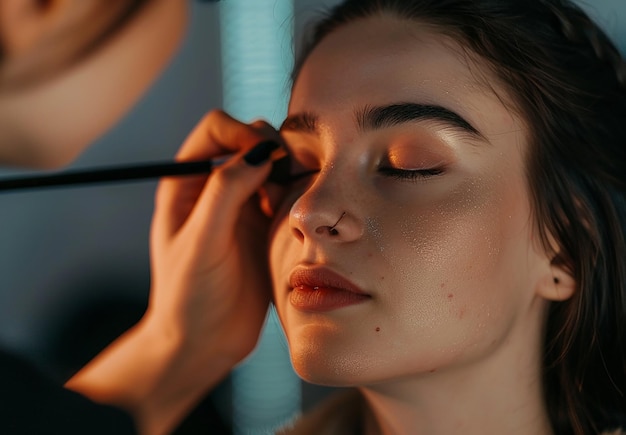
[279, 174]
[102, 175]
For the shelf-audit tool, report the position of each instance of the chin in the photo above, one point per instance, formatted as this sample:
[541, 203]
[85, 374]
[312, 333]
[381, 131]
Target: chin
[332, 365]
[320, 371]
[53, 161]
[39, 157]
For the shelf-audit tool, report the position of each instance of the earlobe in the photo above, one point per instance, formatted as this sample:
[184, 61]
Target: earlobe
[558, 284]
[24, 23]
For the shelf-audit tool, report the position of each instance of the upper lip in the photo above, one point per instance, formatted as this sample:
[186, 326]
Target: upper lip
[321, 276]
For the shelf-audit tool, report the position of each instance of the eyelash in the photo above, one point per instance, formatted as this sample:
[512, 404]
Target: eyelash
[411, 174]
[400, 174]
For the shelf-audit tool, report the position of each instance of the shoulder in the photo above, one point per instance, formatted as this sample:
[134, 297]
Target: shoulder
[338, 414]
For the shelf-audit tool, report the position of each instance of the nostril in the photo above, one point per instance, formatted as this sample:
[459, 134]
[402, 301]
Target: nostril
[299, 234]
[326, 229]
[332, 230]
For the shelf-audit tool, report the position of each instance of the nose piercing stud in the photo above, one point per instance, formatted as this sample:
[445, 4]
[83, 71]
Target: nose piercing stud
[332, 231]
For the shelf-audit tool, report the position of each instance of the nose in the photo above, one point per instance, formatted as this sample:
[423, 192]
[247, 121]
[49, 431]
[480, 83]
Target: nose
[327, 211]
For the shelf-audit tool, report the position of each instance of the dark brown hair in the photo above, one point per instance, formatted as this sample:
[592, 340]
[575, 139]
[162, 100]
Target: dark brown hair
[568, 81]
[71, 44]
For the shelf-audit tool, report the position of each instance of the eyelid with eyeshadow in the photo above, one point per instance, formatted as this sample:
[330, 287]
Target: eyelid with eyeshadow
[407, 162]
[289, 176]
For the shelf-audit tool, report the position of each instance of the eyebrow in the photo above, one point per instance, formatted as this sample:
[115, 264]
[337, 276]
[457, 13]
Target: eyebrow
[379, 117]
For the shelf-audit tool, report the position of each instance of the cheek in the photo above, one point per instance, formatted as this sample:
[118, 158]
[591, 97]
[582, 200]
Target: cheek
[453, 263]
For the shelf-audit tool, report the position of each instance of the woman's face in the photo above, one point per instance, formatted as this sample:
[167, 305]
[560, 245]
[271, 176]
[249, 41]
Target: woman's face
[409, 248]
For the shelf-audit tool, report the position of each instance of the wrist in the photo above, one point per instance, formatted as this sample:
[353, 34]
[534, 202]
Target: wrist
[184, 372]
[152, 373]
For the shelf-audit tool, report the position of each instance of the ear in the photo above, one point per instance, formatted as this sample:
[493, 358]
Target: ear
[557, 284]
[25, 23]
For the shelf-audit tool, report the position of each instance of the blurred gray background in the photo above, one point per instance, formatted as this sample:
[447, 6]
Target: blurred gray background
[74, 266]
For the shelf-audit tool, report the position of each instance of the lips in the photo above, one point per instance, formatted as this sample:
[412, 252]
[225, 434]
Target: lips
[320, 289]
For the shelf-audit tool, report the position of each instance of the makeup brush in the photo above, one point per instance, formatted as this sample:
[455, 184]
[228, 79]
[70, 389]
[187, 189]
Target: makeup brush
[279, 174]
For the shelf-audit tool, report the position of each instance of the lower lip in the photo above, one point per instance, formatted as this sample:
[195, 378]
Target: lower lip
[320, 299]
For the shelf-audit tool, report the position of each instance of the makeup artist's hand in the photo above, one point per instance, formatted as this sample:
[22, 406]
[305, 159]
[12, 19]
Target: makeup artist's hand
[209, 242]
[210, 283]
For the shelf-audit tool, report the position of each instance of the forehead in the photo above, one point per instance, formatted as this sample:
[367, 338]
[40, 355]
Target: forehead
[383, 59]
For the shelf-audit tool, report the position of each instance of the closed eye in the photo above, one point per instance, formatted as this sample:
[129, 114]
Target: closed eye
[411, 174]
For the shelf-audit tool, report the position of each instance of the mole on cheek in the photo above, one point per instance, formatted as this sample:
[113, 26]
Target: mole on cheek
[378, 329]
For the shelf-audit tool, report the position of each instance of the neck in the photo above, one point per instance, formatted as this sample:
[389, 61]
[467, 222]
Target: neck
[499, 394]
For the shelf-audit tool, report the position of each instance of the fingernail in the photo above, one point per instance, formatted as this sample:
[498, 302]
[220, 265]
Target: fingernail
[260, 153]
